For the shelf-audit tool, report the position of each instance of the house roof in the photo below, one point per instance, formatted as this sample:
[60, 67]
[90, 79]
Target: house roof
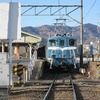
[28, 38]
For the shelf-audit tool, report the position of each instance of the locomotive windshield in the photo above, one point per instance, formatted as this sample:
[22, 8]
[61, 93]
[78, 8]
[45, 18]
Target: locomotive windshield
[71, 42]
[52, 43]
[61, 42]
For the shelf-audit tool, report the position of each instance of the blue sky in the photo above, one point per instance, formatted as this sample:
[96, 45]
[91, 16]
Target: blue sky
[91, 12]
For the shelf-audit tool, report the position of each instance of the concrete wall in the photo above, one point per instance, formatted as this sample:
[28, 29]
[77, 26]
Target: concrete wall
[10, 20]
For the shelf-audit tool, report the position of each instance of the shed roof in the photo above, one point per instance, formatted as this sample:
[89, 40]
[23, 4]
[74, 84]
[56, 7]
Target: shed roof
[28, 38]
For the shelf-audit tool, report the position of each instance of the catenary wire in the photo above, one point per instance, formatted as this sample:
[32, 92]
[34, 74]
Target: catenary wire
[90, 9]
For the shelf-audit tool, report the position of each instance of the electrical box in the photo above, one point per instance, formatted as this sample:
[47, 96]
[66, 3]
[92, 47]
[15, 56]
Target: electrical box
[4, 75]
[3, 57]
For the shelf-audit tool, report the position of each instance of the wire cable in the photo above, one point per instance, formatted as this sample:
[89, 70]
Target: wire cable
[90, 9]
[59, 8]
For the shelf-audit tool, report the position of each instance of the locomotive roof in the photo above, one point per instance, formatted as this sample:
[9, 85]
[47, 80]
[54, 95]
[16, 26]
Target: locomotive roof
[60, 37]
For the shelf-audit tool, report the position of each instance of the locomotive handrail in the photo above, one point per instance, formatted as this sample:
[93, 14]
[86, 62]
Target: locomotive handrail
[47, 93]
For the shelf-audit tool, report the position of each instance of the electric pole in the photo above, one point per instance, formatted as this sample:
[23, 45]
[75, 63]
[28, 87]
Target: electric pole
[81, 35]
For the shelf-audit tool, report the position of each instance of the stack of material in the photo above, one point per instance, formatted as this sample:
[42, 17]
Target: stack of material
[94, 69]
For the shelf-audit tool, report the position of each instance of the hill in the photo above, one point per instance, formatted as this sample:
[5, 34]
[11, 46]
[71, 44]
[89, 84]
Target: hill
[90, 31]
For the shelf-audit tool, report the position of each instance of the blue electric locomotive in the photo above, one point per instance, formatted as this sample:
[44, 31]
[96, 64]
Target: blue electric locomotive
[61, 51]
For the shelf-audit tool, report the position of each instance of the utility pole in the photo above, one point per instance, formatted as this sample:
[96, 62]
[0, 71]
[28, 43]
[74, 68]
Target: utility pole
[98, 30]
[81, 35]
[99, 47]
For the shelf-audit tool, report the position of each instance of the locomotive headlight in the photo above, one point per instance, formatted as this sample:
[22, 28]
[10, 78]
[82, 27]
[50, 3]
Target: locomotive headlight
[71, 42]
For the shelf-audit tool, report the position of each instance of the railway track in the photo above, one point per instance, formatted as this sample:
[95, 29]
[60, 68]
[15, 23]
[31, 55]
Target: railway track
[61, 91]
[88, 90]
[59, 87]
[34, 90]
[56, 90]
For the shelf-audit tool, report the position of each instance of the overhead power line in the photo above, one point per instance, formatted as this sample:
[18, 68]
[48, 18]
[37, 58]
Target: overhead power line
[90, 9]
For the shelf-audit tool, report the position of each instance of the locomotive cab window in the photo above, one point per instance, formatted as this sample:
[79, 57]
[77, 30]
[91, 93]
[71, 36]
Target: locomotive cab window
[71, 42]
[61, 42]
[52, 43]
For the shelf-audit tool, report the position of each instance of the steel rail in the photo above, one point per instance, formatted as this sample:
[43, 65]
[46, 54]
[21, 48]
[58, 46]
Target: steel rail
[47, 93]
[73, 87]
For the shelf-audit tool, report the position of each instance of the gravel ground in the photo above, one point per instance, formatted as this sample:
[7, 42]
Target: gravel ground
[88, 92]
[85, 90]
